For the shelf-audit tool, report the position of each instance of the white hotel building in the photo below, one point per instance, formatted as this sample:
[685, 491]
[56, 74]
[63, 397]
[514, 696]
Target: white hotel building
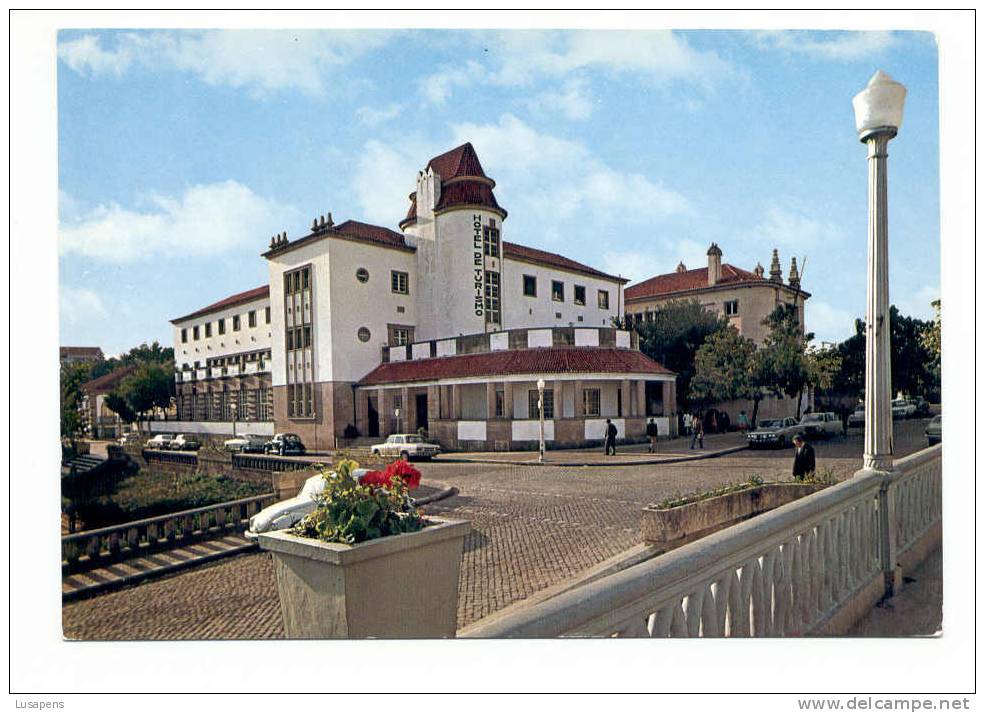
[444, 326]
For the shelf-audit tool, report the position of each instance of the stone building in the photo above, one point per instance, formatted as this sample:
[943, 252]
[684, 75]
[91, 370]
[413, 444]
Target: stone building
[97, 419]
[75, 355]
[444, 326]
[745, 297]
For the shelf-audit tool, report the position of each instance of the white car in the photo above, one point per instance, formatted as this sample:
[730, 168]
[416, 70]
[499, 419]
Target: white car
[246, 443]
[822, 424]
[162, 441]
[181, 442]
[903, 408]
[284, 514]
[774, 432]
[858, 417]
[406, 446]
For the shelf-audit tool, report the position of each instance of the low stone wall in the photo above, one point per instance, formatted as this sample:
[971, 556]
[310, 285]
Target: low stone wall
[667, 529]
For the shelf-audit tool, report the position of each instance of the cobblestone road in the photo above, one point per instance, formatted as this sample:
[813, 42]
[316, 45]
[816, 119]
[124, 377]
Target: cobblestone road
[533, 527]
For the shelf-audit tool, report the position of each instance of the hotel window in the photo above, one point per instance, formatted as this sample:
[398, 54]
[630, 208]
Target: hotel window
[580, 295]
[297, 338]
[492, 297]
[398, 336]
[593, 402]
[398, 282]
[305, 277]
[208, 329]
[252, 317]
[222, 325]
[529, 286]
[557, 290]
[266, 314]
[548, 403]
[500, 403]
[603, 299]
[732, 307]
[235, 322]
[184, 335]
[490, 240]
[306, 331]
[195, 332]
[363, 334]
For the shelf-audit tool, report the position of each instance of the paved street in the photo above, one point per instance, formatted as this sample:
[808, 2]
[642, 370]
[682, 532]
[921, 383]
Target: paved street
[533, 527]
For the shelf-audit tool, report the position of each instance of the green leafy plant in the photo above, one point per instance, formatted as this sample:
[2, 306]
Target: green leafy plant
[352, 510]
[821, 476]
[699, 495]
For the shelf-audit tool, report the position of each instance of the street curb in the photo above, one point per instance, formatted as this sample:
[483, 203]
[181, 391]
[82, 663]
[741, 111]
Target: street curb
[445, 491]
[600, 464]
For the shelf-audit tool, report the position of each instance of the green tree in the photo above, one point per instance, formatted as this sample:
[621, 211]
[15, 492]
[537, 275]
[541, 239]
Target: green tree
[723, 368]
[148, 386]
[674, 335]
[152, 353]
[781, 365]
[71, 379]
[117, 403]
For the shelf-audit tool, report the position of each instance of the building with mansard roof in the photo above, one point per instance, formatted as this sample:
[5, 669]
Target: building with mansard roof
[444, 326]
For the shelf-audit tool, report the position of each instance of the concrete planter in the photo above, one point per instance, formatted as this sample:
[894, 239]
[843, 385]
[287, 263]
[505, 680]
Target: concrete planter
[672, 527]
[403, 586]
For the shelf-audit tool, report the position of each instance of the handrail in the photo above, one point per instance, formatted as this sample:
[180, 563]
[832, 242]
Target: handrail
[790, 571]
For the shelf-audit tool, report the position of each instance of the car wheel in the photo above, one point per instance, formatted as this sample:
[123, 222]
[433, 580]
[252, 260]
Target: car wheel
[404, 455]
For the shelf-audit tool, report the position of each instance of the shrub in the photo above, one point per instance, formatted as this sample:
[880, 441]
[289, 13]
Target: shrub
[352, 510]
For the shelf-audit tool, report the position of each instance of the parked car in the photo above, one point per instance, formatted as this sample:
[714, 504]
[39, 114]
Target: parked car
[822, 424]
[129, 438]
[182, 442]
[903, 408]
[933, 431]
[406, 446]
[775, 432]
[246, 443]
[858, 417]
[921, 407]
[285, 444]
[162, 441]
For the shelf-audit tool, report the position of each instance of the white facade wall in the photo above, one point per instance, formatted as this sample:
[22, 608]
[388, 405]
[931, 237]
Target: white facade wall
[221, 345]
[471, 430]
[530, 430]
[520, 311]
[473, 401]
[595, 428]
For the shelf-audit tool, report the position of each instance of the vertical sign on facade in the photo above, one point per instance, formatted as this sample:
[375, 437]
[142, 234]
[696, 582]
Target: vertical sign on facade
[477, 270]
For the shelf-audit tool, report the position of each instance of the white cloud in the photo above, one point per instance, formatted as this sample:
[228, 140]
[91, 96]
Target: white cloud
[261, 61]
[373, 116]
[659, 257]
[79, 305]
[829, 323]
[385, 176]
[842, 46]
[916, 302]
[521, 58]
[791, 225]
[544, 172]
[206, 220]
[571, 100]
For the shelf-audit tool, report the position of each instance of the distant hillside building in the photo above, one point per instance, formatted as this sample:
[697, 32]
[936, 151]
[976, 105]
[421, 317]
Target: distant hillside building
[98, 420]
[745, 297]
[74, 355]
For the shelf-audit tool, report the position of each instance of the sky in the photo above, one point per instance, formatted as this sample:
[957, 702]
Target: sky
[181, 152]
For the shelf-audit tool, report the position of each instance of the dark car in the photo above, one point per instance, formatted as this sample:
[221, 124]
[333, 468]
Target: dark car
[285, 444]
[923, 408]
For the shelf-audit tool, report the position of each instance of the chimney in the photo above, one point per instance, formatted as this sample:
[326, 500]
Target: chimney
[759, 270]
[681, 267]
[714, 265]
[794, 278]
[776, 273]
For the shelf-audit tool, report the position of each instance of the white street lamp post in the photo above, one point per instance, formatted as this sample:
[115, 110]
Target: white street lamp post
[232, 409]
[878, 116]
[540, 408]
[396, 414]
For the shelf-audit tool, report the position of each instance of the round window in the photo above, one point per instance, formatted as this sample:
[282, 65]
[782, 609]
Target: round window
[363, 334]
[362, 274]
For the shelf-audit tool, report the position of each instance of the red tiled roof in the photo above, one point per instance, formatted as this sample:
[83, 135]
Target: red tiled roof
[108, 382]
[231, 301]
[371, 233]
[460, 161]
[468, 193]
[80, 352]
[685, 281]
[542, 257]
[549, 360]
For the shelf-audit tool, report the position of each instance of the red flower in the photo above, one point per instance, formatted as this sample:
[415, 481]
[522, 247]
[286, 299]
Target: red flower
[376, 478]
[408, 473]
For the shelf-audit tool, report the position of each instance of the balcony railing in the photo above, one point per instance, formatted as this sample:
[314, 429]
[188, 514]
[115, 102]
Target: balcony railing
[788, 572]
[96, 548]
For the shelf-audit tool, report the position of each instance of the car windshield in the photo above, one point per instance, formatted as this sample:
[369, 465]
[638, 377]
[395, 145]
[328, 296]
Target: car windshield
[395, 439]
[772, 423]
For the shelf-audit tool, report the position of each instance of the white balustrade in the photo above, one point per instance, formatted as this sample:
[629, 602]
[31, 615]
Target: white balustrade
[784, 573]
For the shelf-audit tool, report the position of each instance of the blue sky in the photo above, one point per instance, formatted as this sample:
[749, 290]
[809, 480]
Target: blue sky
[182, 152]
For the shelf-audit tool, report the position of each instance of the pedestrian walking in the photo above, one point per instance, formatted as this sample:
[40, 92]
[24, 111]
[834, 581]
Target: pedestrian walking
[803, 460]
[712, 422]
[610, 436]
[743, 421]
[698, 432]
[652, 432]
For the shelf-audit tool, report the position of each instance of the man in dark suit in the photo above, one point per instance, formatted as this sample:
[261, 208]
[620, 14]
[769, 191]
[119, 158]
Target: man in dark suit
[610, 436]
[803, 460]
